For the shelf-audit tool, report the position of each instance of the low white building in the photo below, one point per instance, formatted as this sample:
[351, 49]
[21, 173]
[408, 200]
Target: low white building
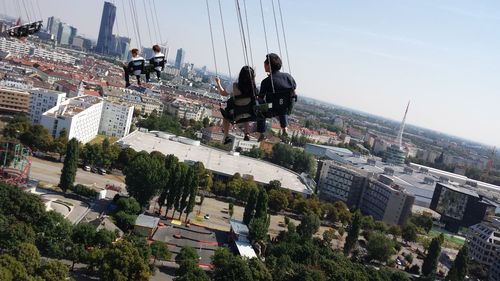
[41, 100]
[80, 117]
[15, 47]
[53, 56]
[116, 119]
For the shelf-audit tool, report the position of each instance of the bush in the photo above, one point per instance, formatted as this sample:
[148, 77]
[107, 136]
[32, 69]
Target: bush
[83, 190]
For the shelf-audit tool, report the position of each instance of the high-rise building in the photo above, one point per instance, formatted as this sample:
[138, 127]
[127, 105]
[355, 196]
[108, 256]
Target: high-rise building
[72, 34]
[116, 119]
[122, 46]
[105, 39]
[179, 59]
[64, 34]
[53, 25]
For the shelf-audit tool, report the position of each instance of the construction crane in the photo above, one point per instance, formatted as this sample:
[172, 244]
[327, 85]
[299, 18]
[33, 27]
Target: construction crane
[489, 166]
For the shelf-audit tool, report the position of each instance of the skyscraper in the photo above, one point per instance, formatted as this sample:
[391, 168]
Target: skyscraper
[179, 59]
[64, 34]
[53, 25]
[105, 39]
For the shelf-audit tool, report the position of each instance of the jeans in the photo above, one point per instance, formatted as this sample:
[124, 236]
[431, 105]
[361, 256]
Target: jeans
[148, 75]
[261, 124]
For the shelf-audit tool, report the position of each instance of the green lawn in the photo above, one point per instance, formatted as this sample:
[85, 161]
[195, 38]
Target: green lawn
[100, 138]
[450, 241]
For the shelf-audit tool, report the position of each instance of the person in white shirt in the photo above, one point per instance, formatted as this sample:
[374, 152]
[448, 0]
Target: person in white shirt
[157, 62]
[134, 67]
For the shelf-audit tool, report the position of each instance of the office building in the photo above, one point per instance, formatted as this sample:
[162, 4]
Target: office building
[386, 201]
[483, 243]
[14, 100]
[459, 206]
[105, 39]
[64, 34]
[42, 100]
[116, 119]
[53, 25]
[80, 117]
[337, 182]
[179, 58]
[379, 197]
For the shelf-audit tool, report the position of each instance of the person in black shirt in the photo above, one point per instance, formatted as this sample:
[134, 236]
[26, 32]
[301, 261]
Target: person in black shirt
[276, 82]
[134, 67]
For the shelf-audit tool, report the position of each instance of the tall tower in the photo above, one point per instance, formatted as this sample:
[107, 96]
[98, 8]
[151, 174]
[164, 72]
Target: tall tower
[105, 39]
[399, 138]
[179, 59]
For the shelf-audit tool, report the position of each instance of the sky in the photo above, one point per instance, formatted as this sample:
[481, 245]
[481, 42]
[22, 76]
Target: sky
[369, 55]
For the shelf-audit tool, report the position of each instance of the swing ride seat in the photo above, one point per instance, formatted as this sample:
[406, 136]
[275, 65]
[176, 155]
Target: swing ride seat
[25, 30]
[274, 104]
[157, 62]
[139, 67]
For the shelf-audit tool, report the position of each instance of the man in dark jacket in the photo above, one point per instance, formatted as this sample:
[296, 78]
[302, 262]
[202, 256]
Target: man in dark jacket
[274, 83]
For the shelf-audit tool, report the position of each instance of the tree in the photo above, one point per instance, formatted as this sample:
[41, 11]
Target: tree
[144, 177]
[309, 225]
[395, 230]
[229, 267]
[29, 256]
[59, 144]
[352, 234]
[123, 262]
[17, 126]
[187, 185]
[259, 270]
[206, 122]
[431, 260]
[104, 238]
[380, 247]
[128, 205]
[423, 221]
[249, 208]
[261, 206]
[278, 200]
[124, 221]
[409, 232]
[38, 138]
[231, 210]
[328, 236]
[91, 154]
[160, 251]
[68, 172]
[54, 270]
[459, 268]
[189, 269]
[173, 185]
[258, 228]
[83, 234]
[126, 155]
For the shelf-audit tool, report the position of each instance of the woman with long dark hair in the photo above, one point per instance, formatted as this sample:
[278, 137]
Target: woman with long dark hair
[242, 98]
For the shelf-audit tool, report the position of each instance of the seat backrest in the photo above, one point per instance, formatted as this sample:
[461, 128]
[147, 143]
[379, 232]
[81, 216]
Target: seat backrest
[137, 66]
[158, 62]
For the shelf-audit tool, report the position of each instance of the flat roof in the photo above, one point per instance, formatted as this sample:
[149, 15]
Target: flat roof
[239, 227]
[245, 249]
[147, 221]
[218, 161]
[332, 148]
[460, 189]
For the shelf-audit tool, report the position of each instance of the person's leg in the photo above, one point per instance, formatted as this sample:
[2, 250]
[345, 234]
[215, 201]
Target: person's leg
[127, 76]
[283, 123]
[225, 128]
[261, 128]
[138, 79]
[158, 74]
[246, 130]
[148, 76]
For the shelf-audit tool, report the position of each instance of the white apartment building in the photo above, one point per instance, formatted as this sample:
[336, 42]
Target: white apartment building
[80, 117]
[53, 56]
[42, 100]
[116, 119]
[14, 47]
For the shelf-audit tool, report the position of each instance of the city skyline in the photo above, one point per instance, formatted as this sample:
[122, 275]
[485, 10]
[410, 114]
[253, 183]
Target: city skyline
[375, 56]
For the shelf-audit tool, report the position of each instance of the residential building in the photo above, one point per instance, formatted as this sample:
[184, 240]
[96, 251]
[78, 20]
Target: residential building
[116, 119]
[14, 100]
[14, 47]
[179, 59]
[42, 100]
[80, 117]
[212, 134]
[241, 145]
[53, 55]
[146, 225]
[105, 38]
[146, 103]
[460, 206]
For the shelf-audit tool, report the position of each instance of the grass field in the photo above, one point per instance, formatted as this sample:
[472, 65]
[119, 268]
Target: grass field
[100, 138]
[450, 241]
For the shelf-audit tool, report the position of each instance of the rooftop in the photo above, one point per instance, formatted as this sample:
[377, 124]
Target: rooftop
[219, 161]
[147, 221]
[239, 227]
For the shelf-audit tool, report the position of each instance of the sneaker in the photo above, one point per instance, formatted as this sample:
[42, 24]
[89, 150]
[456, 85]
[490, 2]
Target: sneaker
[247, 137]
[227, 140]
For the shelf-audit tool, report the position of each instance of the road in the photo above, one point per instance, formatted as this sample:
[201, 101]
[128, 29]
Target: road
[50, 172]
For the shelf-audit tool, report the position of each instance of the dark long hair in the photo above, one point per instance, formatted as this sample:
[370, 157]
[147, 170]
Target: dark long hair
[246, 81]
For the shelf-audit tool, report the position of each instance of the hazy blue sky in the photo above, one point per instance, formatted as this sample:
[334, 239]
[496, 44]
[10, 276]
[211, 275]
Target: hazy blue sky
[371, 55]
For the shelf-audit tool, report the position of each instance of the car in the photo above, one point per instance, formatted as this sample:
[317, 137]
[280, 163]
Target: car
[207, 216]
[101, 171]
[93, 169]
[86, 168]
[113, 187]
